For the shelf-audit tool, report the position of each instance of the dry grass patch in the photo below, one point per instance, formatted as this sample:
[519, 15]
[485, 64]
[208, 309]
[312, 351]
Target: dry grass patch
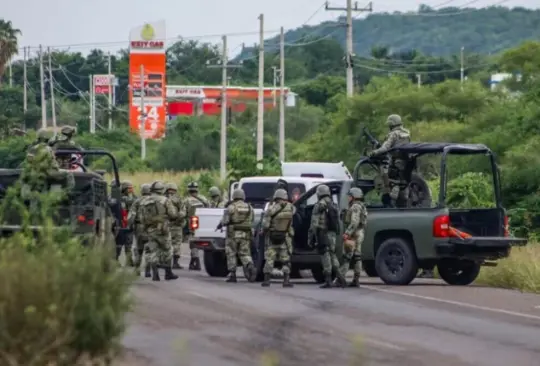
[520, 271]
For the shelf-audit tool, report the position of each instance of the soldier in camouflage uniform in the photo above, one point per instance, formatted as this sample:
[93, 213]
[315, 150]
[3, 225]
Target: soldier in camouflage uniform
[177, 225]
[277, 222]
[398, 135]
[134, 224]
[355, 221]
[156, 213]
[127, 200]
[238, 218]
[192, 201]
[325, 239]
[215, 198]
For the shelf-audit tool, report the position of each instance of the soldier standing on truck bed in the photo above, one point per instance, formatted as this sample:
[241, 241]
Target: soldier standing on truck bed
[192, 201]
[134, 223]
[355, 225]
[238, 218]
[215, 198]
[398, 135]
[323, 231]
[127, 200]
[156, 213]
[177, 225]
[276, 224]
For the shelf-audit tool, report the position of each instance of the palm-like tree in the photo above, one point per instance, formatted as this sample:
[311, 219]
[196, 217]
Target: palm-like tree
[9, 43]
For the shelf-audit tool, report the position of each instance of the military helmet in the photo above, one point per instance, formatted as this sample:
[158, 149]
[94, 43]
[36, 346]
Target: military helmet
[281, 194]
[394, 120]
[323, 190]
[44, 135]
[68, 131]
[171, 187]
[356, 193]
[145, 189]
[157, 187]
[193, 187]
[126, 184]
[238, 194]
[214, 191]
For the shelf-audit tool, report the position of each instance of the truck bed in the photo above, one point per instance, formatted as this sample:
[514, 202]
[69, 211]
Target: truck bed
[209, 218]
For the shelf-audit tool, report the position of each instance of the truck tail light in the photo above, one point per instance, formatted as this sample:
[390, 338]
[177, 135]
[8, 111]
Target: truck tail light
[124, 218]
[194, 223]
[506, 227]
[441, 226]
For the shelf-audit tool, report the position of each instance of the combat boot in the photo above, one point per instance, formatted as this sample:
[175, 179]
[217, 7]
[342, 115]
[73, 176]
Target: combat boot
[195, 264]
[147, 272]
[176, 265]
[266, 281]
[155, 273]
[251, 272]
[287, 280]
[232, 277]
[169, 275]
[356, 281]
[327, 281]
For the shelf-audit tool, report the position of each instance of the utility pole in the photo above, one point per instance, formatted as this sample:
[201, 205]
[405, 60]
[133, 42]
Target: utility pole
[25, 82]
[419, 80]
[43, 101]
[51, 88]
[274, 94]
[462, 69]
[282, 95]
[10, 66]
[91, 103]
[224, 65]
[350, 51]
[260, 101]
[110, 92]
[143, 117]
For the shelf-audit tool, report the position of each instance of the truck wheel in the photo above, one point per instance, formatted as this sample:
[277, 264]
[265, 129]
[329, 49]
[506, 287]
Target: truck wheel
[458, 272]
[318, 275]
[369, 268]
[419, 192]
[395, 262]
[215, 264]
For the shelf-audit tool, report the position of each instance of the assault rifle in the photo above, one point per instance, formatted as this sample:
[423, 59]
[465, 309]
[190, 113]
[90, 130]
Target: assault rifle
[372, 140]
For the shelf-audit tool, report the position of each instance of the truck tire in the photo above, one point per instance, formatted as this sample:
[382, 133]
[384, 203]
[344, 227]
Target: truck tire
[395, 262]
[318, 275]
[215, 264]
[458, 272]
[419, 192]
[369, 268]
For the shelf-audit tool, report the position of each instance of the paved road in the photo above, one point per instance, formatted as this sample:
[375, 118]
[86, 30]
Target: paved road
[197, 320]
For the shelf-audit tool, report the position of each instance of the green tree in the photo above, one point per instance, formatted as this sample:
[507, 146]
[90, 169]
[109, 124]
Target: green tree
[9, 43]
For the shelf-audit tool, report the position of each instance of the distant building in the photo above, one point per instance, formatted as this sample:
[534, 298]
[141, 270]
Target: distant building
[497, 79]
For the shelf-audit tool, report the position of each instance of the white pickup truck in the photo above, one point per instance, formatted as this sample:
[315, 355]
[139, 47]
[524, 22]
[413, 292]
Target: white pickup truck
[301, 178]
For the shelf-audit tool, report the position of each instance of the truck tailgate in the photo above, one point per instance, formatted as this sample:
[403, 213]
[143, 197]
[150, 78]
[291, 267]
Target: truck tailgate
[209, 218]
[487, 241]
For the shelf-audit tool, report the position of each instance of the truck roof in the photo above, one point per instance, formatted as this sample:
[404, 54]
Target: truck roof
[290, 179]
[336, 171]
[440, 147]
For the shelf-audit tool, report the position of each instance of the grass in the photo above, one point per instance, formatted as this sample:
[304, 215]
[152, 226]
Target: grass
[520, 271]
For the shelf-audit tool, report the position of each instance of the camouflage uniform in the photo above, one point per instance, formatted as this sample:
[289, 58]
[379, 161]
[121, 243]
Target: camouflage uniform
[156, 213]
[277, 222]
[177, 225]
[127, 201]
[134, 223]
[355, 221]
[325, 239]
[215, 198]
[65, 161]
[192, 201]
[398, 135]
[238, 218]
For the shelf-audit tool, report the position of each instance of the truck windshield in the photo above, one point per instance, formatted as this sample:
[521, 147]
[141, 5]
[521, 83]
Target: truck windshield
[258, 193]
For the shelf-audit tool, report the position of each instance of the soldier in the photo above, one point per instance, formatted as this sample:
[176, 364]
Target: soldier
[355, 223]
[177, 225]
[192, 201]
[398, 135]
[156, 213]
[127, 200]
[134, 223]
[215, 198]
[323, 230]
[276, 224]
[238, 217]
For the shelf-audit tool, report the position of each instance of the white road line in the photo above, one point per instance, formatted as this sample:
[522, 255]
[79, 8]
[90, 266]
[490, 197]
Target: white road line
[382, 344]
[457, 303]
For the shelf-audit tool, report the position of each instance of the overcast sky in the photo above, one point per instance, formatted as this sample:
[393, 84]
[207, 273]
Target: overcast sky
[106, 23]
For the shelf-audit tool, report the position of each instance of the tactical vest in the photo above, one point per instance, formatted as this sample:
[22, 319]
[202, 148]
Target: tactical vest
[177, 202]
[348, 216]
[281, 220]
[152, 211]
[404, 137]
[242, 217]
[194, 203]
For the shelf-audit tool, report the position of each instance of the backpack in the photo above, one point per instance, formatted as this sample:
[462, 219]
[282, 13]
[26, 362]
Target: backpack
[151, 211]
[332, 217]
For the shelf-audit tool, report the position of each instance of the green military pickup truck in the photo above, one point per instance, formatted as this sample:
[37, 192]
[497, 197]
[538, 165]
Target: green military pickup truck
[400, 241]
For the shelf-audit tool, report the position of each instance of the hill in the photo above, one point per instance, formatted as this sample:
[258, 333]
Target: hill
[439, 32]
